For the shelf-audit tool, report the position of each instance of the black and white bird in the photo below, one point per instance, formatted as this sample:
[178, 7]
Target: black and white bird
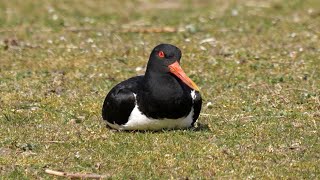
[164, 98]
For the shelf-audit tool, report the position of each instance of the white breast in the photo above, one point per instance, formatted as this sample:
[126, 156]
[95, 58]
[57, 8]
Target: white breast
[138, 121]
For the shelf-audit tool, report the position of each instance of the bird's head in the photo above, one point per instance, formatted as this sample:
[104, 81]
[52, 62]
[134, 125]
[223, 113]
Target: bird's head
[165, 58]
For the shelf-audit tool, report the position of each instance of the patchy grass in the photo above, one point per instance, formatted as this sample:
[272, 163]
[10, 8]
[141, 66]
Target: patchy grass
[257, 63]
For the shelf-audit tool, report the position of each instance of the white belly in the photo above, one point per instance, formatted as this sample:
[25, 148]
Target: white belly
[138, 121]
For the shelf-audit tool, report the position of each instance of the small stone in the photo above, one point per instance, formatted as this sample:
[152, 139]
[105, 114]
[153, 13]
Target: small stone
[139, 68]
[203, 48]
[301, 49]
[89, 40]
[293, 35]
[209, 105]
[62, 38]
[191, 28]
[234, 12]
[187, 40]
[55, 17]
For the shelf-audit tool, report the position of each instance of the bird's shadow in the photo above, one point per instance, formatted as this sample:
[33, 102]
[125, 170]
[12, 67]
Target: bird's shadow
[198, 127]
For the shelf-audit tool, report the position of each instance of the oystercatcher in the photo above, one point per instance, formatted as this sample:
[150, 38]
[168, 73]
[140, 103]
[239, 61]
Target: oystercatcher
[164, 98]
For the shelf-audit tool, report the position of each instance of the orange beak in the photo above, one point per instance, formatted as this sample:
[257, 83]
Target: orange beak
[176, 69]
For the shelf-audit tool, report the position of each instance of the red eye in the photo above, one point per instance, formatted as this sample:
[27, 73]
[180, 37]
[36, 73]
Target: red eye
[161, 54]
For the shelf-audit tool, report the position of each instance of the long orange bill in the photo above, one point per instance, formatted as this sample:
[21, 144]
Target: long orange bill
[176, 69]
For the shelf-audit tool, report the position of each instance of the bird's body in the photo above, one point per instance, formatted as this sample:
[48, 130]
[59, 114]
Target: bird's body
[164, 98]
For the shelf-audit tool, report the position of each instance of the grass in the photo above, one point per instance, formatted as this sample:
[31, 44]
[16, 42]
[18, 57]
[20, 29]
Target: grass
[256, 62]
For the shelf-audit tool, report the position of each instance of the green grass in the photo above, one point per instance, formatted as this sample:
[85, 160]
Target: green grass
[261, 74]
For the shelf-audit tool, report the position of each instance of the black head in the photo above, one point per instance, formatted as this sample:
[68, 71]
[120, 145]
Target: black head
[164, 59]
[162, 56]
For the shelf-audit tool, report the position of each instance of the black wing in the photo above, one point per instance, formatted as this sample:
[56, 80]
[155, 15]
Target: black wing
[120, 101]
[197, 102]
